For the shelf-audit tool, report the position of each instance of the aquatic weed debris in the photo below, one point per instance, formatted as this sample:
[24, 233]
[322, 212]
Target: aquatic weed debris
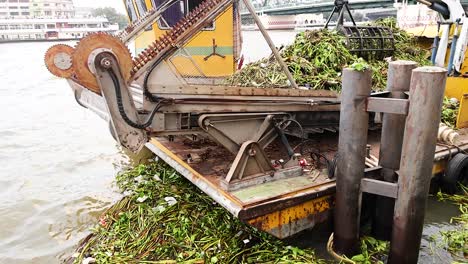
[316, 59]
[450, 109]
[456, 240]
[176, 223]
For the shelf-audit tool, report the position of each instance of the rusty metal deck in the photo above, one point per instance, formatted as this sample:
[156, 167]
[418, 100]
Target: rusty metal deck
[205, 164]
[282, 207]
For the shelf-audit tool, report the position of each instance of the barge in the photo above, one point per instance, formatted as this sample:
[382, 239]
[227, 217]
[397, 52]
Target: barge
[267, 155]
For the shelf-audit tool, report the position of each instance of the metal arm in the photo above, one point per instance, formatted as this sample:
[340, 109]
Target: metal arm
[451, 12]
[440, 8]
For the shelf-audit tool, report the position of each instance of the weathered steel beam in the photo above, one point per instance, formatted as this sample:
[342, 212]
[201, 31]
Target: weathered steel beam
[388, 105]
[393, 126]
[354, 123]
[381, 188]
[426, 94]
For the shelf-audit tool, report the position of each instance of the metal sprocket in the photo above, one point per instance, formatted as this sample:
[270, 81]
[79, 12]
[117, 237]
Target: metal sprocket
[58, 60]
[91, 43]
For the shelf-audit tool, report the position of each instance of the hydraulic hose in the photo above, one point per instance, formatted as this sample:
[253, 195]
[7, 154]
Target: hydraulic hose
[123, 114]
[453, 49]
[435, 45]
[146, 93]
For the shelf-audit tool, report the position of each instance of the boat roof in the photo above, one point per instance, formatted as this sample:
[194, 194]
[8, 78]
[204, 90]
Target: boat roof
[53, 20]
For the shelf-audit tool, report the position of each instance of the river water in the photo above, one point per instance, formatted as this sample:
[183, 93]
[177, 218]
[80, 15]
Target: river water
[58, 161]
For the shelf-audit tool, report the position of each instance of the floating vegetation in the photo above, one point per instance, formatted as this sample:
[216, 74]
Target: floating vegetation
[456, 240]
[450, 109]
[372, 251]
[166, 219]
[316, 59]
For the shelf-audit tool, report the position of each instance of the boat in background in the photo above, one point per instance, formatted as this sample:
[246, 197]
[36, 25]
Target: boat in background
[39, 20]
[309, 21]
[278, 22]
[52, 28]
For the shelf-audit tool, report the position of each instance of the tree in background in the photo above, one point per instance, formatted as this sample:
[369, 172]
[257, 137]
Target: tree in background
[111, 14]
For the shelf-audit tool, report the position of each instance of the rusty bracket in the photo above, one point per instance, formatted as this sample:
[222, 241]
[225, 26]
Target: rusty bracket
[245, 135]
[214, 53]
[250, 161]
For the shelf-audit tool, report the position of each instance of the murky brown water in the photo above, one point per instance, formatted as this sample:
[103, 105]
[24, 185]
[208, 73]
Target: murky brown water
[58, 161]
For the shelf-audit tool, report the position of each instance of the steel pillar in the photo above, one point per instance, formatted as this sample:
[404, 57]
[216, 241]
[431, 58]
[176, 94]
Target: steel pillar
[426, 95]
[393, 126]
[354, 123]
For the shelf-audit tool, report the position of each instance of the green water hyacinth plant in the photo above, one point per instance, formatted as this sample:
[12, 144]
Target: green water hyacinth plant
[316, 59]
[166, 219]
[450, 109]
[456, 240]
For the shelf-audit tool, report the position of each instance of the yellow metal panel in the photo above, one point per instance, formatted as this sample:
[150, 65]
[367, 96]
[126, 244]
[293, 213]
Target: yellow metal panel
[462, 120]
[439, 167]
[149, 5]
[144, 40]
[200, 47]
[457, 87]
[216, 66]
[223, 32]
[186, 66]
[293, 214]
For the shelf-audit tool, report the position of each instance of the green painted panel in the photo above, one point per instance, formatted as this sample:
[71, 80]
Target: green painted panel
[203, 51]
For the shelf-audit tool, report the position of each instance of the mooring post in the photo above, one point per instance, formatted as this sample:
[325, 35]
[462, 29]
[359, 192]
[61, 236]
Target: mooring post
[393, 127]
[354, 123]
[426, 95]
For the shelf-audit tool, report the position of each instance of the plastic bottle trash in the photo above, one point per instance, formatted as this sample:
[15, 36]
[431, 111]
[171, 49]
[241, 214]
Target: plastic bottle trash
[156, 177]
[88, 260]
[159, 209]
[139, 179]
[142, 199]
[170, 200]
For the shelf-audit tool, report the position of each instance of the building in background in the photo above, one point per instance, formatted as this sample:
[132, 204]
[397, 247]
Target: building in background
[47, 20]
[36, 8]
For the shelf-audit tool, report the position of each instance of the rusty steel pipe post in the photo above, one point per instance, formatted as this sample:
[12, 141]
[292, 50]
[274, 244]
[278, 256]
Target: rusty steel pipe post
[354, 124]
[426, 95]
[393, 128]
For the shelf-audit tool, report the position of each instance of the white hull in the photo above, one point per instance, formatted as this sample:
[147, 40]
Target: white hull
[52, 29]
[278, 22]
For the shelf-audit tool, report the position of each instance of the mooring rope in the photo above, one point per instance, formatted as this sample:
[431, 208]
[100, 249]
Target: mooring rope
[341, 259]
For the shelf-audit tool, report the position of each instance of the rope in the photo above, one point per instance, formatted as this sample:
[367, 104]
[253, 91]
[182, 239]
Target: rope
[341, 259]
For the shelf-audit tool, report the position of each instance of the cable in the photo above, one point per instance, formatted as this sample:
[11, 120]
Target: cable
[283, 137]
[146, 93]
[123, 114]
[296, 122]
[332, 168]
[331, 164]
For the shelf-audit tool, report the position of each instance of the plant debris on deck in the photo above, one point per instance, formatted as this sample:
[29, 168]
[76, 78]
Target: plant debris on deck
[450, 109]
[316, 59]
[166, 219]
